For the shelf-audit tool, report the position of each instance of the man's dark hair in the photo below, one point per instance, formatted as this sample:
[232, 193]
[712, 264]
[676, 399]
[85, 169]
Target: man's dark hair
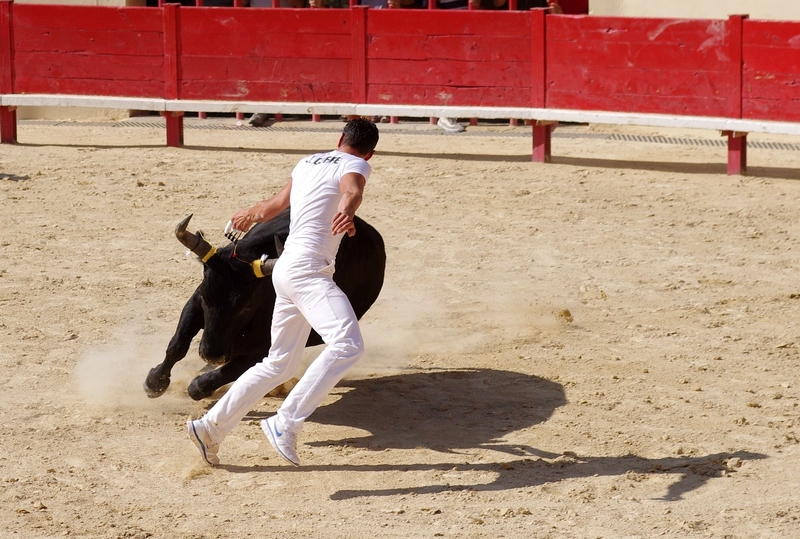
[361, 135]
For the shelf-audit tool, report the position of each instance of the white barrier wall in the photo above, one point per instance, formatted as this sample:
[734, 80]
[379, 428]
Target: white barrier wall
[698, 9]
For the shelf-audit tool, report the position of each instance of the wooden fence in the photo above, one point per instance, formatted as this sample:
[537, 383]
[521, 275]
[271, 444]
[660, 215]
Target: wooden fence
[734, 69]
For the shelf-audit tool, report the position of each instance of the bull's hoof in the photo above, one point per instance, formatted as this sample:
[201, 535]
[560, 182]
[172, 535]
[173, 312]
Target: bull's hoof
[155, 386]
[198, 393]
[152, 393]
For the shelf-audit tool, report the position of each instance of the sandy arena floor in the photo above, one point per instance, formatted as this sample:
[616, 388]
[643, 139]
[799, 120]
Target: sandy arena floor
[603, 347]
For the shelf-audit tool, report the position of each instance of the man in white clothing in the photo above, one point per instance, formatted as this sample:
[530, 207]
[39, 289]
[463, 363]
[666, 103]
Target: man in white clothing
[324, 192]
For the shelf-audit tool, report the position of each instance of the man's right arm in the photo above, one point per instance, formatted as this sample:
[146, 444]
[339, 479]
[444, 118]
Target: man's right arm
[262, 211]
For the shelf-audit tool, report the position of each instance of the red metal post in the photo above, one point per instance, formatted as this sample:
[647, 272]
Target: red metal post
[737, 142]
[172, 71]
[201, 115]
[432, 5]
[358, 18]
[735, 25]
[541, 132]
[174, 129]
[8, 124]
[8, 115]
[316, 117]
[737, 152]
[541, 142]
[278, 115]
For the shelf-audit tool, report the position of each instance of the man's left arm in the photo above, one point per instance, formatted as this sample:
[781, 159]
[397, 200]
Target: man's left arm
[352, 189]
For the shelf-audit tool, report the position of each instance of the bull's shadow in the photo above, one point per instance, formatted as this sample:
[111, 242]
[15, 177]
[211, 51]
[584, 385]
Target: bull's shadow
[442, 410]
[452, 411]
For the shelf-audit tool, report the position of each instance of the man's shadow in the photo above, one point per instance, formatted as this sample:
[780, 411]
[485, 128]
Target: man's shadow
[454, 411]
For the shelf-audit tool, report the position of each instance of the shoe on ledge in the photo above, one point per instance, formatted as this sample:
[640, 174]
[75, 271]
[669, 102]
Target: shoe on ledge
[450, 125]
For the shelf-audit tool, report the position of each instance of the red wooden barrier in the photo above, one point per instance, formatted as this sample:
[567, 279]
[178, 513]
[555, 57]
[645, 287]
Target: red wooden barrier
[665, 66]
[8, 115]
[88, 50]
[736, 68]
[771, 73]
[446, 57]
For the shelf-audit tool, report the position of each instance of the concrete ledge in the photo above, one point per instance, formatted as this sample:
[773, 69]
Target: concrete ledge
[414, 111]
[270, 107]
[92, 101]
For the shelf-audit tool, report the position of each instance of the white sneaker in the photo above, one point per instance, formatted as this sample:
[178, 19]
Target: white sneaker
[284, 442]
[199, 436]
[450, 125]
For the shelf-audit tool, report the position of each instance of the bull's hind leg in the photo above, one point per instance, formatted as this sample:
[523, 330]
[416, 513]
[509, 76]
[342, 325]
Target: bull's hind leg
[190, 323]
[206, 384]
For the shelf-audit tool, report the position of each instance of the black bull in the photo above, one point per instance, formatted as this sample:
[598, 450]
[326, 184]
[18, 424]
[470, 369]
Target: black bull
[234, 303]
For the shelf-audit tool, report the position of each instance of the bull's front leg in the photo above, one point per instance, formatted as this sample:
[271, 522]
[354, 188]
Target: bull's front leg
[206, 384]
[190, 323]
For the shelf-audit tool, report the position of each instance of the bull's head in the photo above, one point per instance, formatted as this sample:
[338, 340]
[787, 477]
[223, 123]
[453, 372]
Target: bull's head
[233, 292]
[197, 244]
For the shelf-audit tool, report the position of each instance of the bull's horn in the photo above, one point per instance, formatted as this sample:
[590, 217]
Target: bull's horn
[263, 266]
[196, 243]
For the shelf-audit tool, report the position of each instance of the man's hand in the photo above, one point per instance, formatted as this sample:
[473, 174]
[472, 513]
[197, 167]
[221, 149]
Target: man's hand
[242, 220]
[343, 222]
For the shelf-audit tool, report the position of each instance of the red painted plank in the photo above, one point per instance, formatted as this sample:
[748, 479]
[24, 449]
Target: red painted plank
[702, 32]
[273, 45]
[485, 47]
[771, 109]
[448, 22]
[89, 66]
[450, 73]
[777, 86]
[635, 55]
[777, 59]
[267, 91]
[39, 85]
[771, 33]
[435, 94]
[267, 21]
[252, 68]
[637, 82]
[96, 41]
[140, 19]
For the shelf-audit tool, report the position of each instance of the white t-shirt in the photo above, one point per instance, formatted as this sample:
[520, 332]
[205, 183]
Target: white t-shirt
[314, 199]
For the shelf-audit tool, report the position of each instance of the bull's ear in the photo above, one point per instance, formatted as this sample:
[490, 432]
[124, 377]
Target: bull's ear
[278, 245]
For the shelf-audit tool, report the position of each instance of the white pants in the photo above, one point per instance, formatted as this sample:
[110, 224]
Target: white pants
[306, 297]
